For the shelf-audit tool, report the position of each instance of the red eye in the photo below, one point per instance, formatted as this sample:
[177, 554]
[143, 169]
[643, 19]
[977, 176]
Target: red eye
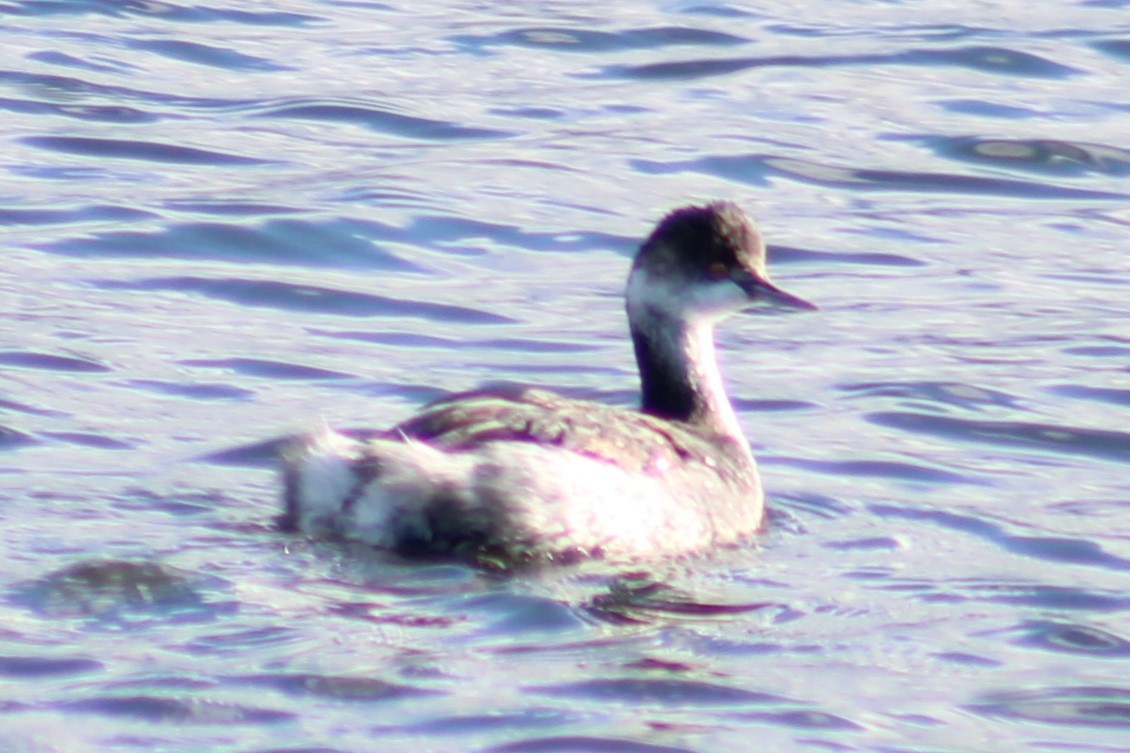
[717, 270]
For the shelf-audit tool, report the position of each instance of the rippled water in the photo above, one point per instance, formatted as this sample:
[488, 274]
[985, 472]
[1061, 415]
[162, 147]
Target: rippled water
[223, 223]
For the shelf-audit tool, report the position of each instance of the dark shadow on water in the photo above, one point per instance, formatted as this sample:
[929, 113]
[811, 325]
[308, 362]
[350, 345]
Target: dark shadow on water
[1045, 156]
[927, 394]
[184, 710]
[1115, 48]
[50, 362]
[193, 390]
[982, 108]
[1064, 637]
[119, 594]
[202, 54]
[1096, 443]
[138, 150]
[581, 744]
[760, 169]
[31, 667]
[85, 439]
[787, 254]
[1096, 706]
[324, 243]
[84, 112]
[308, 298]
[659, 692]
[12, 439]
[1110, 395]
[76, 215]
[639, 600]
[376, 118]
[987, 59]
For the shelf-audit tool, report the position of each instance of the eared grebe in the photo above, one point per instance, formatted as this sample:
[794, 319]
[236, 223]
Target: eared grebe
[524, 474]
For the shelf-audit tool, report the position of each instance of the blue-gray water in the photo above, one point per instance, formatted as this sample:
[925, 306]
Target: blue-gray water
[225, 222]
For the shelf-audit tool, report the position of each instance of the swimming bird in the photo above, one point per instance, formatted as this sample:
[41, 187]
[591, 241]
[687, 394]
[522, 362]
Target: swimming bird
[519, 474]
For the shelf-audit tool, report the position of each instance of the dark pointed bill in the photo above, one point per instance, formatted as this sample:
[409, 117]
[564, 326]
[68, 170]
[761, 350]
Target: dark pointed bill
[765, 293]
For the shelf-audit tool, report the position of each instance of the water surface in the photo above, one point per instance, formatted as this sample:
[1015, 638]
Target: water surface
[225, 223]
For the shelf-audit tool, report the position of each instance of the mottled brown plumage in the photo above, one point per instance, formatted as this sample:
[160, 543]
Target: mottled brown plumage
[636, 442]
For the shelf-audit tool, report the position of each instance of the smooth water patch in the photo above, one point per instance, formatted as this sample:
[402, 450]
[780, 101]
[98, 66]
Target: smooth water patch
[377, 119]
[229, 225]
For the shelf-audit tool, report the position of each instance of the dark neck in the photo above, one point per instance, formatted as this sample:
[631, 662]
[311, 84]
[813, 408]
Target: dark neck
[679, 374]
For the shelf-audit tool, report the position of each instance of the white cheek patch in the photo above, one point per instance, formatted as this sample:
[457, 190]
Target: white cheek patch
[708, 301]
[717, 300]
